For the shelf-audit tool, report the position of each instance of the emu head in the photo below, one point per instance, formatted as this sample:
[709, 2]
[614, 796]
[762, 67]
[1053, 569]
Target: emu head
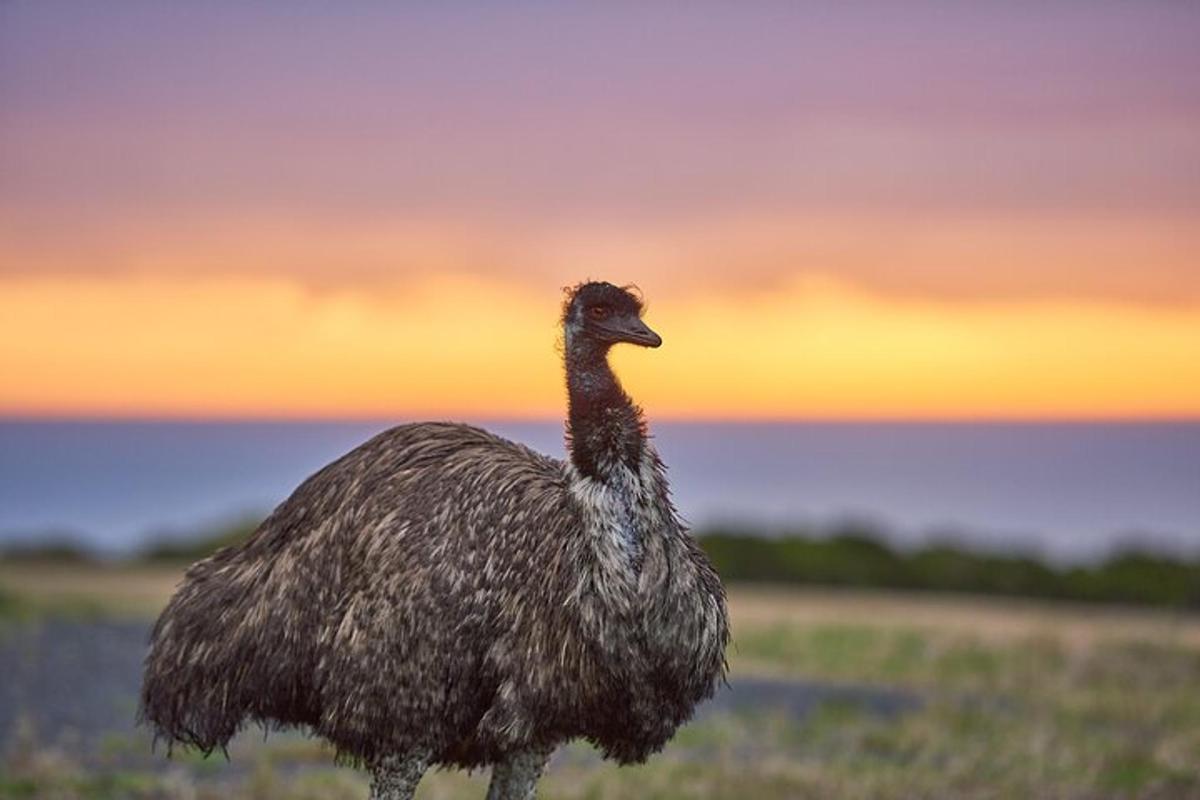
[601, 315]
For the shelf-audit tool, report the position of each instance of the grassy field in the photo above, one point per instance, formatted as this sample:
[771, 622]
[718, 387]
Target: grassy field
[1015, 699]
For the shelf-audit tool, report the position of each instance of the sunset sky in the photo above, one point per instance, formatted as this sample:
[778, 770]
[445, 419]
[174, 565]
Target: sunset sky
[913, 210]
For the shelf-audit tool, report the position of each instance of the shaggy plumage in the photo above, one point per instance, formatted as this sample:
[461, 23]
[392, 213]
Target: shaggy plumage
[443, 595]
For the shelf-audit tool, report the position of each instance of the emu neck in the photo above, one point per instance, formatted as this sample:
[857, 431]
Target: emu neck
[605, 429]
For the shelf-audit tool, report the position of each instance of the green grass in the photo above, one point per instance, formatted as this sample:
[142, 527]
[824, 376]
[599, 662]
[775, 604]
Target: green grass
[1030, 717]
[20, 608]
[11, 606]
[1065, 709]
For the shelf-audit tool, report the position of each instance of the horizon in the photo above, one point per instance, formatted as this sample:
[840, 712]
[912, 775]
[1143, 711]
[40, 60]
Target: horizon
[1069, 488]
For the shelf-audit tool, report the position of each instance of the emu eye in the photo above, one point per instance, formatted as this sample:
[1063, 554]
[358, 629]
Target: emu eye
[598, 312]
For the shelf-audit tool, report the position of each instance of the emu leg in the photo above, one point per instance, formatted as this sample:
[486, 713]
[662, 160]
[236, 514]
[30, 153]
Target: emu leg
[396, 777]
[516, 777]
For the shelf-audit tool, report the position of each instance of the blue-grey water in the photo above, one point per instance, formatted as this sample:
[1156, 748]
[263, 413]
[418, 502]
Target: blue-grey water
[1071, 490]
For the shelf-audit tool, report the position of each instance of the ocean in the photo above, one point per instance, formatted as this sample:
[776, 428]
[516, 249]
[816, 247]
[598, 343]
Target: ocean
[1068, 491]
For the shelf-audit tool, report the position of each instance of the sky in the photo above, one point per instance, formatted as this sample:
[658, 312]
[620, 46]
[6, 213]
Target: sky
[871, 210]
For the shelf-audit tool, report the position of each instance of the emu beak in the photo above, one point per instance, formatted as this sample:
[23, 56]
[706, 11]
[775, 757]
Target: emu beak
[635, 331]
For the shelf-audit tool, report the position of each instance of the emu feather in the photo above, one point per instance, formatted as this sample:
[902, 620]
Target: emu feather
[440, 595]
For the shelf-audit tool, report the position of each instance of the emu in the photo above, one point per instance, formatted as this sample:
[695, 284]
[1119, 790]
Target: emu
[442, 596]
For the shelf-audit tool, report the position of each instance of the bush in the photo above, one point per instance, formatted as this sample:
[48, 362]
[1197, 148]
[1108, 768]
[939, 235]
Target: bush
[194, 548]
[56, 549]
[859, 557]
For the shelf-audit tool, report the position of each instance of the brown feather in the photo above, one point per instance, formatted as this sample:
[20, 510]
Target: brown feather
[442, 590]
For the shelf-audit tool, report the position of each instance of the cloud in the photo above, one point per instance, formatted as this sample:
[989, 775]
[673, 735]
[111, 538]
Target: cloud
[971, 152]
[1143, 261]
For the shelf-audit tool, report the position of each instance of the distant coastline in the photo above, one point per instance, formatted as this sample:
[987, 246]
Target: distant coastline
[1065, 492]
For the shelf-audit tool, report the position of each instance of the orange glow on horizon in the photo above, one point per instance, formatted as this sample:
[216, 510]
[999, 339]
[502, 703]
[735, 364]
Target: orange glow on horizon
[453, 346]
[991, 213]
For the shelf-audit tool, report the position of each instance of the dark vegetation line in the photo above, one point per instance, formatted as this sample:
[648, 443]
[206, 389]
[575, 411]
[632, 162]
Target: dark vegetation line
[862, 560]
[849, 557]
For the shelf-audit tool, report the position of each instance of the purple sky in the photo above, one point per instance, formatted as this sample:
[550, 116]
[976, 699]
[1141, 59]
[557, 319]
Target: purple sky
[1070, 129]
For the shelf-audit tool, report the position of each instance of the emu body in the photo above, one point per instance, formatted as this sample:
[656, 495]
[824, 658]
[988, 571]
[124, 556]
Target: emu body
[442, 596]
